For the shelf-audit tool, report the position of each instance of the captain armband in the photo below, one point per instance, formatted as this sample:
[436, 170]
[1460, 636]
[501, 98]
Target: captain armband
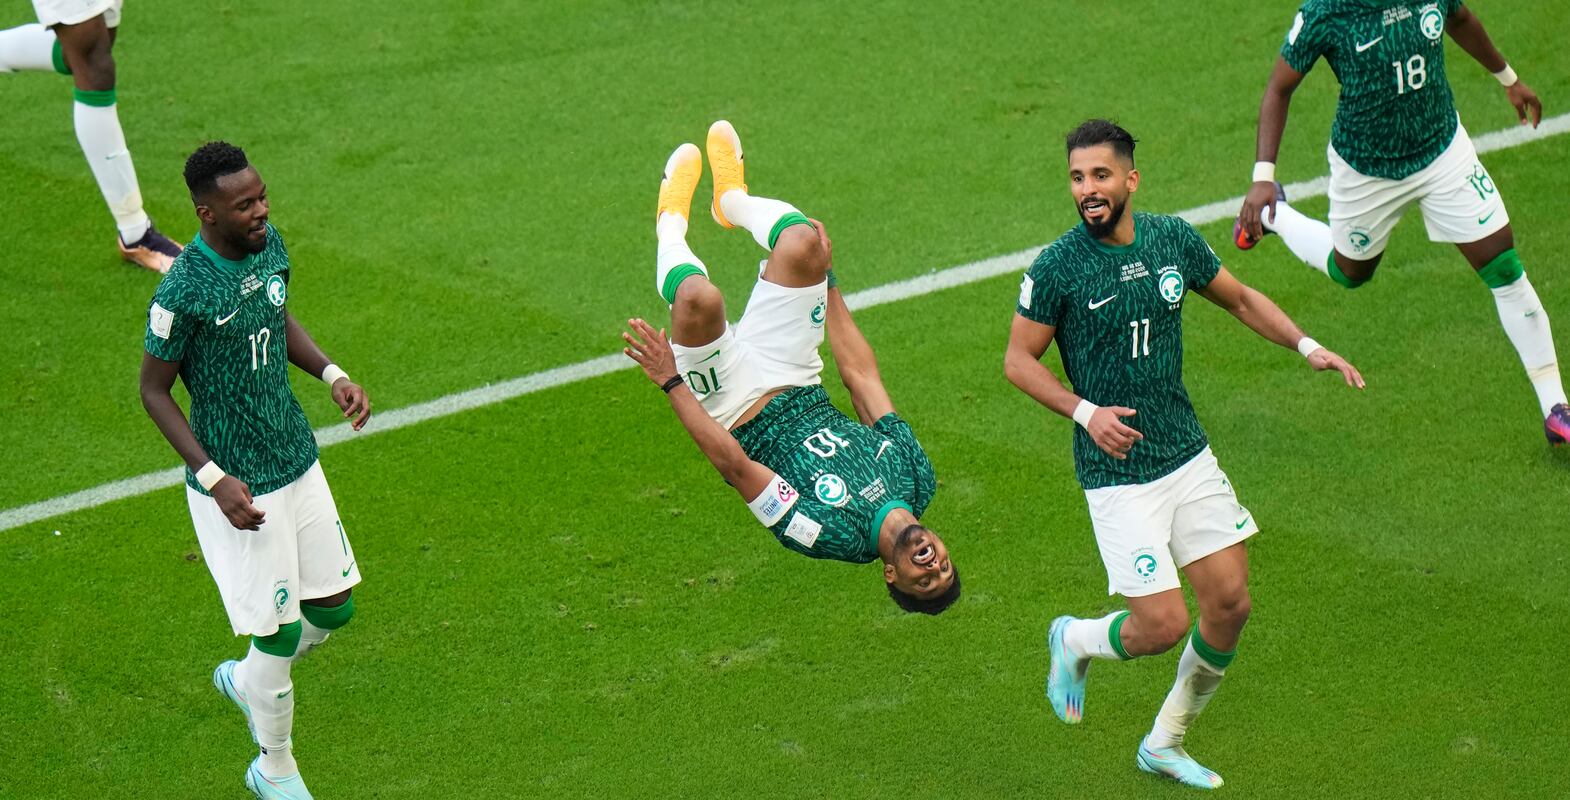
[776, 499]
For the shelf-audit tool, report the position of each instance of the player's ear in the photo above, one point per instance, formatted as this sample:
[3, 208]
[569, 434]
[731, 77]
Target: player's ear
[888, 573]
[1133, 180]
[204, 213]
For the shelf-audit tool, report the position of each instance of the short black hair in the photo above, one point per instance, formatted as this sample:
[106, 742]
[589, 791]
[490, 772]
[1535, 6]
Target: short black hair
[1092, 132]
[927, 605]
[210, 162]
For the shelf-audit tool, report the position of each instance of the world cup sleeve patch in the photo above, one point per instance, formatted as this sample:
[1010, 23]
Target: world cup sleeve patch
[160, 320]
[803, 530]
[777, 498]
[1025, 288]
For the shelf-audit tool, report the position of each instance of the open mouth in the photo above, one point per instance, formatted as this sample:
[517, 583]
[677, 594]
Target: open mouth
[1093, 207]
[924, 555]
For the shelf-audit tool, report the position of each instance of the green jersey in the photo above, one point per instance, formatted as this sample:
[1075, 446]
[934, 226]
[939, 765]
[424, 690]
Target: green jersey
[1118, 312]
[224, 322]
[1395, 114]
[844, 477]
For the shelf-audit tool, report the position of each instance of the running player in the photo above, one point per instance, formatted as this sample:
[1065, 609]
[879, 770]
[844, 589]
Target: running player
[1397, 140]
[1110, 292]
[76, 38]
[265, 518]
[752, 399]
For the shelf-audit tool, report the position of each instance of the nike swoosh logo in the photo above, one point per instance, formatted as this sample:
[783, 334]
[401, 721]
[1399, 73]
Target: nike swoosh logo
[1095, 304]
[222, 320]
[1484, 220]
[346, 569]
[1241, 524]
[881, 448]
[1366, 45]
[282, 695]
[709, 356]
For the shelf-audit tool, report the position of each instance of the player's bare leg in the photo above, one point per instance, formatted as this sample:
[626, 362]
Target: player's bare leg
[1525, 321]
[797, 255]
[697, 306]
[1152, 624]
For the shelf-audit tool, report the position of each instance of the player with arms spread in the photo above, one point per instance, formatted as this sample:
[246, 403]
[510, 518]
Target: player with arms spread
[1110, 292]
[1397, 140]
[751, 397]
[265, 518]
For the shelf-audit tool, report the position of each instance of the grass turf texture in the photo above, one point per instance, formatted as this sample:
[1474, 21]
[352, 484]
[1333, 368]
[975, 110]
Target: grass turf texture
[563, 600]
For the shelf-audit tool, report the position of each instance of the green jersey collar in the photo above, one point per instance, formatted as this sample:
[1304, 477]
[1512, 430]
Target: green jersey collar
[218, 259]
[877, 520]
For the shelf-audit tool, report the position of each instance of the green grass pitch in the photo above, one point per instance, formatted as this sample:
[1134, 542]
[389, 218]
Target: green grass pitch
[562, 600]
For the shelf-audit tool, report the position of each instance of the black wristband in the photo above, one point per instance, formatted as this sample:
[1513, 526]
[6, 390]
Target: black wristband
[674, 382]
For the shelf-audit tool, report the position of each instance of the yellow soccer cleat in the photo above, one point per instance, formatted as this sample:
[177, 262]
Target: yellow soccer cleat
[725, 163]
[680, 181]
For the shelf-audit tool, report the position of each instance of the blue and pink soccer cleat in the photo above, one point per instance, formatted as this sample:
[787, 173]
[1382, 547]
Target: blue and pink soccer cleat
[1557, 426]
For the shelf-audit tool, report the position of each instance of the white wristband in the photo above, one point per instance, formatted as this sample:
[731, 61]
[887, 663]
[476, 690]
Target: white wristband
[209, 475]
[1506, 77]
[1306, 345]
[1264, 171]
[332, 373]
[1083, 411]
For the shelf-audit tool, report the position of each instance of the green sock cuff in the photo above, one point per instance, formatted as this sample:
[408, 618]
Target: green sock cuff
[58, 57]
[674, 278]
[1504, 270]
[1115, 635]
[1336, 274]
[103, 99]
[793, 218]
[1214, 657]
[328, 618]
[282, 643]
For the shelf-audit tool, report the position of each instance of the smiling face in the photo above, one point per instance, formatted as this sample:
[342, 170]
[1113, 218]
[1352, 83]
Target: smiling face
[235, 210]
[1100, 182]
[919, 565]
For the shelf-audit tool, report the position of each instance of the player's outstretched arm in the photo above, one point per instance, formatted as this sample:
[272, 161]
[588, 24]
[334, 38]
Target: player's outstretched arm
[858, 366]
[307, 355]
[1272, 123]
[653, 353]
[233, 496]
[1028, 341]
[1265, 318]
[1468, 32]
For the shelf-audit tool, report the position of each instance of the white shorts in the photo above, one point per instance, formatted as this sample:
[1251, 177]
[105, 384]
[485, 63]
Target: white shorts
[72, 12]
[1148, 531]
[1459, 201]
[774, 345]
[300, 553]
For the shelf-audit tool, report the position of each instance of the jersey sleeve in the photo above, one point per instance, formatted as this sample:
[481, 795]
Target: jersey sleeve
[924, 480]
[1042, 296]
[1306, 40]
[172, 322]
[1203, 263]
[1451, 7]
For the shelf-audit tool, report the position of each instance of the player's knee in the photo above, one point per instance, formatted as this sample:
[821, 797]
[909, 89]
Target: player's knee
[698, 298]
[1351, 274]
[329, 613]
[802, 246]
[92, 64]
[1232, 611]
[281, 643]
[1163, 630]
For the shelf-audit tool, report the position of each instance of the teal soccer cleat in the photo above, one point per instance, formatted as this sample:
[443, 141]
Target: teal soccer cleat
[223, 681]
[290, 788]
[1065, 675]
[1174, 763]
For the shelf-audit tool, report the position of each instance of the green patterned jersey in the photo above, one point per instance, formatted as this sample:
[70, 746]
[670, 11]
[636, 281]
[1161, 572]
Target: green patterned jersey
[845, 477]
[1118, 312]
[224, 322]
[1395, 114]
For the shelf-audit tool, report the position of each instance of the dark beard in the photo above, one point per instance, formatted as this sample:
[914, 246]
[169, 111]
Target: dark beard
[1103, 230]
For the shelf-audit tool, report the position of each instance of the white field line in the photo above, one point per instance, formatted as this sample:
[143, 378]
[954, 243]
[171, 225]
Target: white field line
[934, 281]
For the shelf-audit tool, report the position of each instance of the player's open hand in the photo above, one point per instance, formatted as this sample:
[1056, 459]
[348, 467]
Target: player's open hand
[1323, 359]
[1110, 434]
[234, 499]
[1525, 102]
[1261, 196]
[652, 351]
[352, 399]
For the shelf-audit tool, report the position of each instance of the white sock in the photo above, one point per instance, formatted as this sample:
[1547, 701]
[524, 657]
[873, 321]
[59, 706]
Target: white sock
[1197, 680]
[1526, 323]
[98, 131]
[29, 47]
[265, 681]
[671, 228]
[310, 637]
[756, 214]
[1308, 239]
[1091, 638]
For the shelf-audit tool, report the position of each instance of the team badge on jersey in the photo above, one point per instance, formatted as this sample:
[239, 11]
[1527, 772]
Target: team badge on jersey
[1171, 284]
[818, 312]
[1145, 566]
[832, 491]
[275, 290]
[280, 598]
[1432, 23]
